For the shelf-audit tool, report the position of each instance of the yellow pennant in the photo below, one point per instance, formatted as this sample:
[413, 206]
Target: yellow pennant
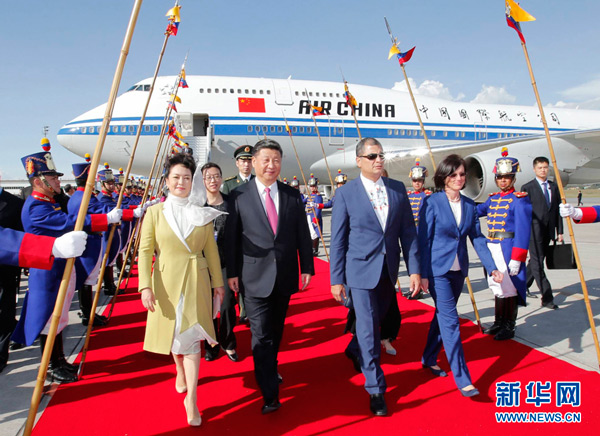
[394, 50]
[517, 13]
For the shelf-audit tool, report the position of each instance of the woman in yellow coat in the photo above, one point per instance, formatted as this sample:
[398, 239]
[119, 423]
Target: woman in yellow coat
[178, 292]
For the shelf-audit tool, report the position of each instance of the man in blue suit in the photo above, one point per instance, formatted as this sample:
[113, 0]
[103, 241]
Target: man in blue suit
[371, 214]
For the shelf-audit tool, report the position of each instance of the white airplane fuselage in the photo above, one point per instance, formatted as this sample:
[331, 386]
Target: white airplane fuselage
[242, 111]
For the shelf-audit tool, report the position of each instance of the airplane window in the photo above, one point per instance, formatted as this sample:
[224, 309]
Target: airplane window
[310, 94]
[294, 129]
[216, 90]
[432, 133]
[261, 92]
[402, 132]
[456, 134]
[246, 91]
[231, 91]
[155, 128]
[131, 129]
[389, 132]
[337, 94]
[208, 90]
[123, 129]
[84, 130]
[115, 129]
[301, 129]
[462, 134]
[131, 89]
[303, 94]
[201, 90]
[146, 87]
[331, 94]
[265, 128]
[254, 91]
[340, 130]
[249, 128]
[146, 128]
[273, 129]
[279, 129]
[268, 92]
[396, 132]
[224, 91]
[317, 94]
[297, 93]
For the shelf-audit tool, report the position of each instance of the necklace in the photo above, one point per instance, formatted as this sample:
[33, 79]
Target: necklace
[453, 200]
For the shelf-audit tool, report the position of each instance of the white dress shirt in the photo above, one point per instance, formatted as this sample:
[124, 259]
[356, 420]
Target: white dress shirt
[262, 194]
[377, 193]
[541, 182]
[244, 179]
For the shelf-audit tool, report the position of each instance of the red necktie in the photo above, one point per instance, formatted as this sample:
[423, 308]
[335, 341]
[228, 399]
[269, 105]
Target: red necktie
[271, 210]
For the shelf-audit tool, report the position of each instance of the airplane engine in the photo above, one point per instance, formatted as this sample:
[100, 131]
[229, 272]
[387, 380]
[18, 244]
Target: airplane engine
[481, 179]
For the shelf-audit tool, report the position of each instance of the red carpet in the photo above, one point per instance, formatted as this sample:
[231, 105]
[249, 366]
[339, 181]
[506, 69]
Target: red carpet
[126, 391]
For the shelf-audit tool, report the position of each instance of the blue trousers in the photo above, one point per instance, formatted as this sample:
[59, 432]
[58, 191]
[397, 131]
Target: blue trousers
[444, 328]
[370, 306]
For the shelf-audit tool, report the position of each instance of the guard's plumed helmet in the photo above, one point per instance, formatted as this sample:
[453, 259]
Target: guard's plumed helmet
[506, 164]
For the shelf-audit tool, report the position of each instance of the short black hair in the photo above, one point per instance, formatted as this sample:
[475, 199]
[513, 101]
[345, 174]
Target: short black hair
[541, 159]
[80, 182]
[210, 165]
[268, 144]
[445, 168]
[360, 147]
[180, 159]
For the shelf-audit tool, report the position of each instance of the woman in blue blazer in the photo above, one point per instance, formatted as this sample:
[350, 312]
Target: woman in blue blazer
[446, 219]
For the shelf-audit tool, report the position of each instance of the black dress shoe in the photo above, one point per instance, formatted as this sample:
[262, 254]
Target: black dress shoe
[279, 378]
[378, 406]
[550, 305]
[436, 372]
[270, 406]
[233, 357]
[62, 375]
[209, 356]
[530, 295]
[15, 346]
[355, 360]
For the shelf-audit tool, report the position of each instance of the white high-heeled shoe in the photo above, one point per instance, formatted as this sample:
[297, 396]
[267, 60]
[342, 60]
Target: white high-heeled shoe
[192, 422]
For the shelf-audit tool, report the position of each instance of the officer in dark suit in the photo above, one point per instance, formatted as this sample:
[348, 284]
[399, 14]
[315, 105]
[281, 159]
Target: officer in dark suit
[243, 160]
[10, 218]
[268, 233]
[546, 225]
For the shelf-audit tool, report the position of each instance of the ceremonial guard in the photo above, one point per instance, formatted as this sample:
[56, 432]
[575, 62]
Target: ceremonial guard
[107, 197]
[509, 228]
[314, 205]
[580, 215]
[417, 175]
[340, 180]
[243, 161]
[42, 216]
[417, 196]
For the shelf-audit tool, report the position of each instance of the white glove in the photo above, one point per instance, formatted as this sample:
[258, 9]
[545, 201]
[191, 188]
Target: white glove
[114, 216]
[138, 211]
[69, 245]
[149, 203]
[513, 267]
[566, 210]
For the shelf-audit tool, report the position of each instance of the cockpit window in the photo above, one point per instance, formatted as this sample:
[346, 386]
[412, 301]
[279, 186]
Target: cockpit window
[139, 88]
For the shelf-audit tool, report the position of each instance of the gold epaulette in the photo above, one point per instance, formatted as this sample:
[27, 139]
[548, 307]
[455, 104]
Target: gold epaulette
[494, 193]
[410, 192]
[520, 194]
[428, 192]
[230, 178]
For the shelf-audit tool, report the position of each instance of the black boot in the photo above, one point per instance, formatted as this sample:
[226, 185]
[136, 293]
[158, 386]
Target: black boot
[498, 318]
[56, 370]
[109, 281]
[315, 247]
[85, 304]
[510, 319]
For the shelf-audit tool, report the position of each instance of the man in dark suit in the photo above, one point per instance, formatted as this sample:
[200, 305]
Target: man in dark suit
[371, 214]
[267, 232]
[545, 226]
[10, 218]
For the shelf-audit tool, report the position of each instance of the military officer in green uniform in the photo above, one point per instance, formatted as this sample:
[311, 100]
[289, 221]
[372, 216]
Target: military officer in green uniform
[243, 160]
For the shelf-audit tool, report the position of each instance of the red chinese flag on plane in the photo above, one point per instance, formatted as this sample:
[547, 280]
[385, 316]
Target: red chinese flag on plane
[247, 104]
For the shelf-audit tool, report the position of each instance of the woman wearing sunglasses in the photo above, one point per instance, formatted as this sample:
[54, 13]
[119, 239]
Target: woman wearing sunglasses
[446, 220]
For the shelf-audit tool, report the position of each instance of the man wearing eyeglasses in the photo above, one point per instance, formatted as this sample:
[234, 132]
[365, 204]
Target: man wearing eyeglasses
[371, 214]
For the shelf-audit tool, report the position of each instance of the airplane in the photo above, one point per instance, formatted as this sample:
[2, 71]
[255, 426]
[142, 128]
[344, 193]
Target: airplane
[218, 114]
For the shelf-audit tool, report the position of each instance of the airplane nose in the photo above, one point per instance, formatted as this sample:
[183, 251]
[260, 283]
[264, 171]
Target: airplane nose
[65, 136]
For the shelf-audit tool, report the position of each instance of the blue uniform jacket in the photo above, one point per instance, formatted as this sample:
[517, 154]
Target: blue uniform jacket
[42, 217]
[510, 212]
[441, 240]
[25, 250]
[358, 243]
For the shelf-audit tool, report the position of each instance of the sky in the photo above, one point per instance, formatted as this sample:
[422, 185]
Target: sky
[59, 57]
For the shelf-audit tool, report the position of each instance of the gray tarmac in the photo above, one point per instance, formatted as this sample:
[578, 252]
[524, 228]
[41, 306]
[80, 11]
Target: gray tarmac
[564, 333]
